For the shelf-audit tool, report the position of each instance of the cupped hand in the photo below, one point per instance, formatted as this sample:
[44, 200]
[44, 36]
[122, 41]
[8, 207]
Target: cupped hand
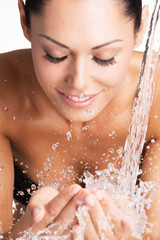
[104, 219]
[48, 206]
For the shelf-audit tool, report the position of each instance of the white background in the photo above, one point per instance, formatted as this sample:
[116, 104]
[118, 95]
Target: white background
[11, 36]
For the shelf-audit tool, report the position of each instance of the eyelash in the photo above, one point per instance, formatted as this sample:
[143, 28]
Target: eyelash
[53, 59]
[104, 63]
[101, 62]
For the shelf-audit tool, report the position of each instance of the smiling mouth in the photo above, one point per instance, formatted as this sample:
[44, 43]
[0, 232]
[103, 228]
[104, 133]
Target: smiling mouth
[78, 101]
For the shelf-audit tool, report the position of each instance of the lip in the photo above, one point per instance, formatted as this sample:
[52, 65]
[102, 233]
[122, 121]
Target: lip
[76, 104]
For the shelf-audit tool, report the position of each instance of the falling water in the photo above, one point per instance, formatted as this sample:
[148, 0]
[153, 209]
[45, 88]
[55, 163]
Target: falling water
[142, 105]
[127, 176]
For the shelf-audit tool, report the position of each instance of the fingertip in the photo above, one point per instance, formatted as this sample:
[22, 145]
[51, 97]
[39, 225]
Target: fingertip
[76, 230]
[74, 189]
[99, 195]
[38, 214]
[126, 225]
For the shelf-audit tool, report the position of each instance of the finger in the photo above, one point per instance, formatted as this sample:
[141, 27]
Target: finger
[121, 227]
[98, 218]
[87, 233]
[55, 206]
[76, 231]
[90, 231]
[68, 213]
[36, 206]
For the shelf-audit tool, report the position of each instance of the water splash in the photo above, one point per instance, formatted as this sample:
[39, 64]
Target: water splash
[55, 231]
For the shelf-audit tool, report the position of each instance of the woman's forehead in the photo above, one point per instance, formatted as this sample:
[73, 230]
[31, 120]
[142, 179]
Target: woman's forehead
[82, 24]
[86, 15]
[83, 6]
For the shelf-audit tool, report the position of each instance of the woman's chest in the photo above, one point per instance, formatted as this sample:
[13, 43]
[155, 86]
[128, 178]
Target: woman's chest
[46, 155]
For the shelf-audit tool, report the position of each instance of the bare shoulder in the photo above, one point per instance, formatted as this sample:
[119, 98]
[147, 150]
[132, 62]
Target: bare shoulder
[135, 66]
[15, 67]
[13, 61]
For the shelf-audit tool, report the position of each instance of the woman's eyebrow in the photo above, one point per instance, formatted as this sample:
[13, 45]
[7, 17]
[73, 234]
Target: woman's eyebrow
[64, 46]
[53, 40]
[107, 43]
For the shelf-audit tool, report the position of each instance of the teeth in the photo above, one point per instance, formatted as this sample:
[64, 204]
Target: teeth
[78, 99]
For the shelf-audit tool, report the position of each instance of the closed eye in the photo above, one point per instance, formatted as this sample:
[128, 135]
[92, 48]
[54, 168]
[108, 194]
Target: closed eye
[53, 59]
[101, 62]
[107, 62]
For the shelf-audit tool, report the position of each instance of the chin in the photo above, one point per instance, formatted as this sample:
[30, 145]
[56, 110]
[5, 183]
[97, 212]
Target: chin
[80, 116]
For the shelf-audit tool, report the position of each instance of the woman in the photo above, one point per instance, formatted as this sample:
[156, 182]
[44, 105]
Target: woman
[65, 107]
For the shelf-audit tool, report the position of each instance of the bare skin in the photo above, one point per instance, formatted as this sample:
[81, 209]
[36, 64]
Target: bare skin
[32, 130]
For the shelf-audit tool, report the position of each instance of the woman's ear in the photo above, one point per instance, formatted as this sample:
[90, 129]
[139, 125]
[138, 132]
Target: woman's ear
[23, 21]
[143, 27]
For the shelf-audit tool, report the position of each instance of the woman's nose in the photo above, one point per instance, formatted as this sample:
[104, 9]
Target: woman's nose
[77, 77]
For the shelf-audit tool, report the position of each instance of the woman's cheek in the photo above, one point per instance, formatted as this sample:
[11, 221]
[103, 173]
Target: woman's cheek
[112, 76]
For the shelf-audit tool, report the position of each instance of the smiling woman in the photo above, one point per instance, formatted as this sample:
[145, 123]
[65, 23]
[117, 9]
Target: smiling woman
[59, 103]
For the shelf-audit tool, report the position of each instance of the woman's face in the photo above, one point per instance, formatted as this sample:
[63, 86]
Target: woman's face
[81, 53]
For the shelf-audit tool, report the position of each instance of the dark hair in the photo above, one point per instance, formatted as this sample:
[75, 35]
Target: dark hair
[133, 9]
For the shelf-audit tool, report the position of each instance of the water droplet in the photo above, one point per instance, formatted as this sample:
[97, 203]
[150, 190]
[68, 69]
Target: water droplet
[5, 109]
[120, 150]
[66, 150]
[111, 167]
[46, 168]
[14, 118]
[33, 187]
[69, 136]
[153, 141]
[51, 164]
[54, 146]
[90, 111]
[21, 193]
[156, 116]
[111, 150]
[1, 168]
[85, 127]
[112, 133]
[70, 169]
[49, 158]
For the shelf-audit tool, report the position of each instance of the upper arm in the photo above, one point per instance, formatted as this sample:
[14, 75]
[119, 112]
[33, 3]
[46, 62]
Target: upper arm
[6, 183]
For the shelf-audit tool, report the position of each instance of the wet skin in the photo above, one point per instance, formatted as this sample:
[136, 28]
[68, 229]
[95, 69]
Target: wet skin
[35, 120]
